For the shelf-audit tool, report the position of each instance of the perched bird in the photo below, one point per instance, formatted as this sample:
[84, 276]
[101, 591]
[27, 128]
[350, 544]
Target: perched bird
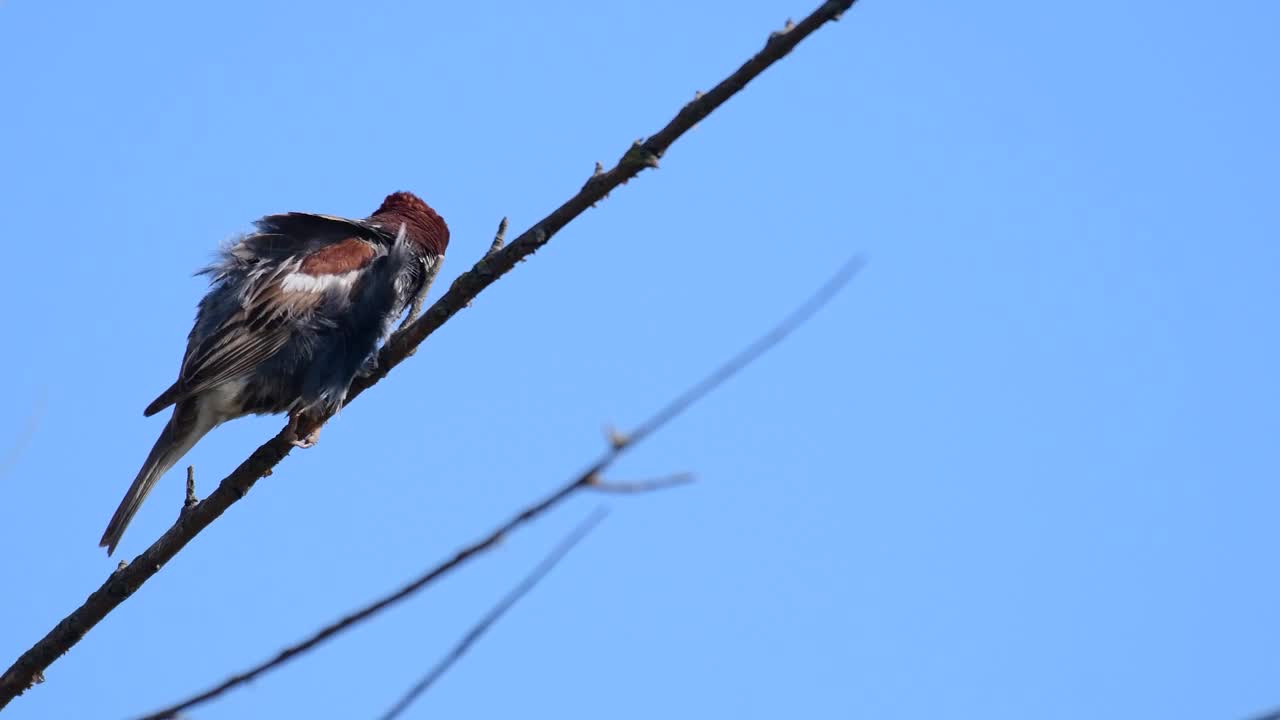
[296, 310]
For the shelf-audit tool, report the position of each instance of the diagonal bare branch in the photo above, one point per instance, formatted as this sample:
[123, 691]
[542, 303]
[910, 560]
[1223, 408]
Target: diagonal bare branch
[496, 612]
[28, 669]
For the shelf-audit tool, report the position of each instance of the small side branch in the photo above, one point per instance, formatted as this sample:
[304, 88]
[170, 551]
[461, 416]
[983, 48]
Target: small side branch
[641, 486]
[191, 499]
[499, 239]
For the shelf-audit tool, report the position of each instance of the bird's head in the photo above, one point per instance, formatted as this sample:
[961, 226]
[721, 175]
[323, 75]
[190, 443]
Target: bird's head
[423, 226]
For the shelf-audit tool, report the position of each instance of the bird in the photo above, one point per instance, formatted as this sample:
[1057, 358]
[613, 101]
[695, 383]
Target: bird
[295, 311]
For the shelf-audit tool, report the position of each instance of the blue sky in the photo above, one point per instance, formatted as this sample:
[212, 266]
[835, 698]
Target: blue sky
[1025, 467]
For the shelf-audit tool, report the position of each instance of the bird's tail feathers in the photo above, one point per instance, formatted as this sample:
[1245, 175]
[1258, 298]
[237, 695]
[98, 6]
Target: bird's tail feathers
[177, 438]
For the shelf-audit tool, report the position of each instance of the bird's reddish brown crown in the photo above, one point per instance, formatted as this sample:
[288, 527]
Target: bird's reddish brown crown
[422, 224]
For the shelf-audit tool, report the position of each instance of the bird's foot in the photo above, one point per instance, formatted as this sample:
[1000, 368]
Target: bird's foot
[368, 367]
[297, 423]
[307, 442]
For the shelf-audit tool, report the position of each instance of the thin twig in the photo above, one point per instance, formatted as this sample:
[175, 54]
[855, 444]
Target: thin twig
[641, 486]
[10, 458]
[191, 500]
[586, 480]
[499, 238]
[124, 582]
[496, 612]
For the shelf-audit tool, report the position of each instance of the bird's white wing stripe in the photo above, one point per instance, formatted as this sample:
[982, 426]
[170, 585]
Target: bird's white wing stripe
[302, 282]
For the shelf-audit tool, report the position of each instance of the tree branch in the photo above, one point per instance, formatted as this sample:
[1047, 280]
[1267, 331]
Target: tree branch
[28, 669]
[588, 479]
[496, 612]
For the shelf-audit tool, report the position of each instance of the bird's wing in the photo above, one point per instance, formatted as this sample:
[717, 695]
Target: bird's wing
[290, 235]
[284, 275]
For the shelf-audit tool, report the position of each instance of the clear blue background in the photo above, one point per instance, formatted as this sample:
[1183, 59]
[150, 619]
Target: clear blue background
[1027, 466]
